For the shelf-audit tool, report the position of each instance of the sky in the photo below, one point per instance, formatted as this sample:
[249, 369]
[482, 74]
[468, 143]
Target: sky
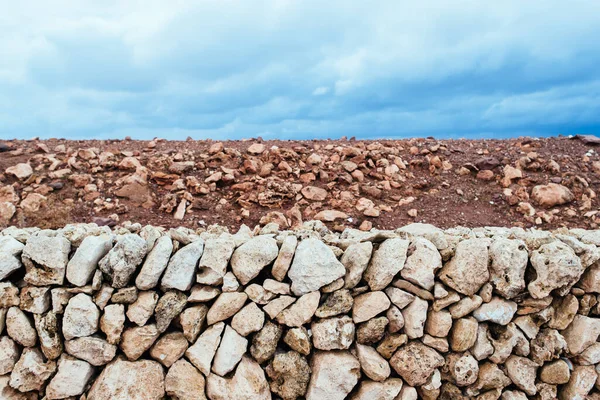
[301, 69]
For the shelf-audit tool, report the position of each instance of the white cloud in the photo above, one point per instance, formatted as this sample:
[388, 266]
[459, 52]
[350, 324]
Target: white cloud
[236, 69]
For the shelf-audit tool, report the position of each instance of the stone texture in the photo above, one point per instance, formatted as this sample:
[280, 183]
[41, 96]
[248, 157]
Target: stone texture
[386, 262]
[169, 348]
[369, 305]
[31, 372]
[155, 264]
[213, 263]
[356, 259]
[334, 375]
[467, 271]
[507, 268]
[122, 380]
[83, 264]
[184, 382]
[248, 383]
[301, 311]
[313, 267]
[249, 319]
[45, 259]
[415, 363]
[10, 252]
[226, 306]
[121, 262]
[94, 350]
[335, 333]
[181, 269]
[264, 343]
[20, 327]
[557, 267]
[202, 352]
[289, 375]
[250, 258]
[283, 261]
[136, 340]
[81, 317]
[422, 262]
[71, 379]
[230, 352]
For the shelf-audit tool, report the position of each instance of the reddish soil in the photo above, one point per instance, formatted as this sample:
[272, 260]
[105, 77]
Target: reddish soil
[440, 175]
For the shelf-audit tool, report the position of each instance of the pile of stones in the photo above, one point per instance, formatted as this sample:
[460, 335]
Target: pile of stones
[141, 312]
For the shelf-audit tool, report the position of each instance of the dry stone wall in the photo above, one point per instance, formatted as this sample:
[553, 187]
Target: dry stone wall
[146, 313]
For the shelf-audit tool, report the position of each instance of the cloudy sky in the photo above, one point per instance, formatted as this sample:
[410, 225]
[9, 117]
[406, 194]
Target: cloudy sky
[289, 69]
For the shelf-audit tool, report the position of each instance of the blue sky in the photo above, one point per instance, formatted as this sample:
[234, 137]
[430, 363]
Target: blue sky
[293, 69]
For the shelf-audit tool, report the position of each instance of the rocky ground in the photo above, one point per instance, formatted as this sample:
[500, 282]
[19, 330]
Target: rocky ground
[345, 183]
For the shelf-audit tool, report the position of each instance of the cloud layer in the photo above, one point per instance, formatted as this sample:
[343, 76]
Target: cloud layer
[298, 69]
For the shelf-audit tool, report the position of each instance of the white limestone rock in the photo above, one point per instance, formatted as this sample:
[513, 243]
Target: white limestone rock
[468, 270]
[203, 351]
[10, 252]
[230, 352]
[121, 262]
[498, 311]
[45, 259]
[301, 311]
[143, 308]
[369, 305]
[9, 354]
[250, 258]
[356, 259]
[182, 267]
[81, 317]
[31, 372]
[421, 264]
[184, 382]
[71, 379]
[372, 363]
[336, 333]
[334, 375]
[249, 319]
[155, 264]
[94, 350]
[20, 327]
[213, 264]
[386, 262]
[125, 380]
[313, 267]
[248, 383]
[84, 262]
[226, 306]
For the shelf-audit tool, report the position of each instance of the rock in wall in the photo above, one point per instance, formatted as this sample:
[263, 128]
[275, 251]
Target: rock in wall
[144, 313]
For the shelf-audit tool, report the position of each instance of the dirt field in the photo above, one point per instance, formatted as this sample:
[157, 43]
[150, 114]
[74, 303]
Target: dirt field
[382, 184]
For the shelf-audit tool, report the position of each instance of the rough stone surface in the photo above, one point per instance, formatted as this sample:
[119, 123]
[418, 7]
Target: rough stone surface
[45, 259]
[121, 261]
[248, 383]
[334, 375]
[181, 269]
[122, 380]
[386, 262]
[486, 313]
[184, 382]
[83, 264]
[468, 270]
[313, 267]
[250, 258]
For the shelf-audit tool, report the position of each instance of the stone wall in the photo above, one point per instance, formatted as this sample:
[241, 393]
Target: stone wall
[145, 313]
